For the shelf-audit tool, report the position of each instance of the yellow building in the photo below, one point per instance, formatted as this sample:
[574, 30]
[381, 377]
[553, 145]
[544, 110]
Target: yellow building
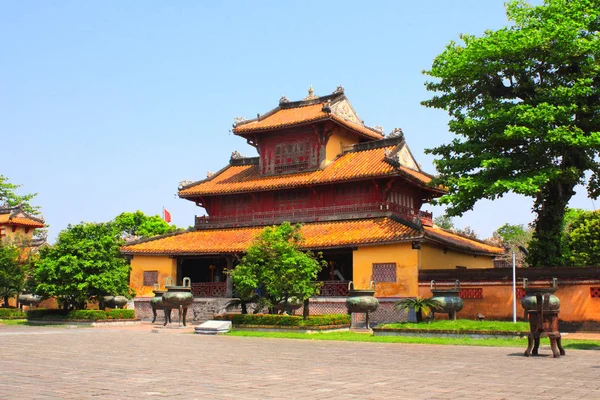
[15, 223]
[357, 193]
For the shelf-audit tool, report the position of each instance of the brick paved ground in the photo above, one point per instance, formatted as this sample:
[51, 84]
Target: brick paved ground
[135, 363]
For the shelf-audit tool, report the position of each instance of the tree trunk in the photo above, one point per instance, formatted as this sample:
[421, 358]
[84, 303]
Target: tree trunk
[244, 308]
[545, 249]
[306, 310]
[5, 305]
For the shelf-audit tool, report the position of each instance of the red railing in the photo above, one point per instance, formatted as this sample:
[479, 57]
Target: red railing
[334, 289]
[209, 289]
[219, 289]
[313, 214]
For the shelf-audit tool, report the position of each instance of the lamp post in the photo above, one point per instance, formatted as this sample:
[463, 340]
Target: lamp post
[514, 288]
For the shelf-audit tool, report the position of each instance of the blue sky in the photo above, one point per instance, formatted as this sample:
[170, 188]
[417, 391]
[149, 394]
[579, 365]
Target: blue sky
[106, 106]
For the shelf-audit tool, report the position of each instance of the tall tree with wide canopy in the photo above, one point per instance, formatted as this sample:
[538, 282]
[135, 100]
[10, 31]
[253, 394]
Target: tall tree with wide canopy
[524, 103]
[277, 268]
[10, 198]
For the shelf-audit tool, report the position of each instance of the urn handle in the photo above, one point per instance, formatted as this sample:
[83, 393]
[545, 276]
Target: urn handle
[169, 279]
[432, 285]
[525, 283]
[188, 280]
[457, 285]
[156, 286]
[554, 283]
[350, 285]
[372, 285]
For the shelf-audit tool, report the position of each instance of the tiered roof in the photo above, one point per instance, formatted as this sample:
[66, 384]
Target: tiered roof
[317, 236]
[356, 164]
[16, 216]
[334, 107]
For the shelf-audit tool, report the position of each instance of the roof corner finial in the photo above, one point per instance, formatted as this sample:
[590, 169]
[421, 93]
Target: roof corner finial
[311, 94]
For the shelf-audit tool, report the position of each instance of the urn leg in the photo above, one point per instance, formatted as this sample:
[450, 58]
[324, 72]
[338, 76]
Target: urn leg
[184, 316]
[452, 316]
[536, 345]
[553, 346]
[153, 314]
[529, 345]
[167, 316]
[559, 345]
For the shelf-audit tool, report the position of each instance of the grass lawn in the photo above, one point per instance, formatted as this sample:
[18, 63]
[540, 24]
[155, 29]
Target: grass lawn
[462, 325]
[466, 341]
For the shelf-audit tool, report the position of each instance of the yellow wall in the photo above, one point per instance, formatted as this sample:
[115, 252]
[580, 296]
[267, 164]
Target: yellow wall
[19, 231]
[433, 257]
[338, 139]
[406, 260]
[163, 264]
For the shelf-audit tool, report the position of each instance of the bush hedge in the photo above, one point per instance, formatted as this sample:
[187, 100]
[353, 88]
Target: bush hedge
[11, 313]
[88, 315]
[286, 320]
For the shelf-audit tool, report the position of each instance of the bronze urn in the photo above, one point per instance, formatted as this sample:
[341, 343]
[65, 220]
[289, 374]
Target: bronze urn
[362, 300]
[447, 300]
[178, 297]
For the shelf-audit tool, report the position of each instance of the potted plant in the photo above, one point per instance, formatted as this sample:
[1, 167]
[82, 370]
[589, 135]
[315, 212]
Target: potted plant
[419, 304]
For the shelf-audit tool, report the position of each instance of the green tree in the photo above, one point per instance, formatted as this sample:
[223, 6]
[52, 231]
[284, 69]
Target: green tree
[524, 104]
[444, 221]
[138, 225]
[82, 265]
[12, 274]
[276, 268]
[10, 198]
[583, 239]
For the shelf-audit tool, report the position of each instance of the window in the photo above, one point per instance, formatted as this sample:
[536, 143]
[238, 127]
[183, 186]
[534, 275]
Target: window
[471, 293]
[292, 156]
[595, 292]
[352, 194]
[236, 204]
[401, 199]
[384, 272]
[2, 232]
[150, 278]
[291, 200]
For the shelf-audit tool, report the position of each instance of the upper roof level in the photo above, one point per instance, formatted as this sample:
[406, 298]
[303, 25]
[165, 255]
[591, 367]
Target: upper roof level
[334, 107]
[377, 159]
[15, 216]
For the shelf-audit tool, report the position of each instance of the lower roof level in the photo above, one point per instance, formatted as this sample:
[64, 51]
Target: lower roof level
[317, 236]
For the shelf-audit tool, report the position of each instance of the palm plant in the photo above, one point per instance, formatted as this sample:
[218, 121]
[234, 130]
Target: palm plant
[419, 304]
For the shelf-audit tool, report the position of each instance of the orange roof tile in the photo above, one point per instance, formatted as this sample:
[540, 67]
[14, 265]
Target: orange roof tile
[349, 166]
[26, 222]
[8, 218]
[441, 235]
[318, 235]
[301, 115]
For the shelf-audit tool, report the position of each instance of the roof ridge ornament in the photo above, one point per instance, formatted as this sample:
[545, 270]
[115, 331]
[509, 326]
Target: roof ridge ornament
[184, 183]
[327, 107]
[311, 94]
[378, 128]
[236, 155]
[283, 100]
[238, 120]
[396, 133]
[338, 90]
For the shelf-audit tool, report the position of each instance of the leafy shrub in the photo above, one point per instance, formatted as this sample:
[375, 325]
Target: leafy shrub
[119, 313]
[42, 313]
[286, 320]
[11, 313]
[88, 315]
[93, 315]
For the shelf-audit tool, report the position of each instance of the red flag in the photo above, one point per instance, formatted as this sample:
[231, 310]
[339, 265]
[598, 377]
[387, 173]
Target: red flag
[166, 215]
